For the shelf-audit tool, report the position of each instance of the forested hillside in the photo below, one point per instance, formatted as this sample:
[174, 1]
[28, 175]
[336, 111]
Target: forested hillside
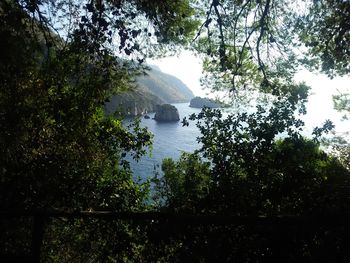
[167, 87]
[133, 102]
[256, 190]
[152, 88]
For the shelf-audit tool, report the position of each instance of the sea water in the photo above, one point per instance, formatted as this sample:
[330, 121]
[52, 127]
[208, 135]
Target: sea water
[169, 141]
[172, 138]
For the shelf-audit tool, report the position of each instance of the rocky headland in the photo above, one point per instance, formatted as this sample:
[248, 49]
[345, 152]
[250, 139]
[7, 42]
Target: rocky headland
[198, 102]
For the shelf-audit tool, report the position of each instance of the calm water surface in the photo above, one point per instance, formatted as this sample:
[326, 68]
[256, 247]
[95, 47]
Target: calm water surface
[170, 140]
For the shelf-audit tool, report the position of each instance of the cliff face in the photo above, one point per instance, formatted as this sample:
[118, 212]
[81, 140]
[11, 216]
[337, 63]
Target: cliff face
[199, 102]
[154, 88]
[167, 87]
[133, 103]
[166, 112]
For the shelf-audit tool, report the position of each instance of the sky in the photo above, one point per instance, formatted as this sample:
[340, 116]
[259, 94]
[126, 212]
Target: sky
[320, 102]
[188, 68]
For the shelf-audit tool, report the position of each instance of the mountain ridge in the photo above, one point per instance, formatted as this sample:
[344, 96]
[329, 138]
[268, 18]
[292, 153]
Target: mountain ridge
[153, 88]
[165, 86]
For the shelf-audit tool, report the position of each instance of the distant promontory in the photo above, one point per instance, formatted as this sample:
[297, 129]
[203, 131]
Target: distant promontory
[198, 102]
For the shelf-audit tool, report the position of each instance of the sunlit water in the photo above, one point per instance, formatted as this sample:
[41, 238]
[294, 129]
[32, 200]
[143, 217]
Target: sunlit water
[172, 138]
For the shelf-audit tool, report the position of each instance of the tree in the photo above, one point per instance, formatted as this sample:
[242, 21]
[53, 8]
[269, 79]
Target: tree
[254, 45]
[184, 183]
[259, 165]
[326, 33]
[58, 149]
[61, 60]
[247, 44]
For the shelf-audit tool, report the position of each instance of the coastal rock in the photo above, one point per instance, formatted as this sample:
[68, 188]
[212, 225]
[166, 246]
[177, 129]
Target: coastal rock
[198, 102]
[166, 112]
[133, 103]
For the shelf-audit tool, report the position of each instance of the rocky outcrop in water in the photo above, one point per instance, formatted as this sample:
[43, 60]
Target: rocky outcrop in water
[166, 112]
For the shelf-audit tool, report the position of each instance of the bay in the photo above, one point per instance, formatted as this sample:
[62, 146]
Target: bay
[170, 140]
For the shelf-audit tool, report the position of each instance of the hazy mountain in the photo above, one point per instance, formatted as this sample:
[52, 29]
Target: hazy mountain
[168, 88]
[133, 102]
[153, 88]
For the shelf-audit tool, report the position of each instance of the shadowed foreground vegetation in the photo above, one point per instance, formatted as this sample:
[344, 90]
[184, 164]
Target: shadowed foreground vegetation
[256, 191]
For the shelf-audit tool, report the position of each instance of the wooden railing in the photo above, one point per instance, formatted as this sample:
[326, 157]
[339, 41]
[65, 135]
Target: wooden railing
[41, 218]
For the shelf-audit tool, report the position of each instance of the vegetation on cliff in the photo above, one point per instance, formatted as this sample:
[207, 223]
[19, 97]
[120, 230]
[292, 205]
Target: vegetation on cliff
[165, 86]
[151, 88]
[256, 190]
[198, 102]
[132, 103]
[58, 149]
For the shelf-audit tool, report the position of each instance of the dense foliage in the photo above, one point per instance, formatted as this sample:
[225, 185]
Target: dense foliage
[151, 89]
[58, 149]
[62, 60]
[256, 164]
[326, 33]
[259, 163]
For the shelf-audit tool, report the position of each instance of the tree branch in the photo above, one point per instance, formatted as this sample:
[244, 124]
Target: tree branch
[262, 25]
